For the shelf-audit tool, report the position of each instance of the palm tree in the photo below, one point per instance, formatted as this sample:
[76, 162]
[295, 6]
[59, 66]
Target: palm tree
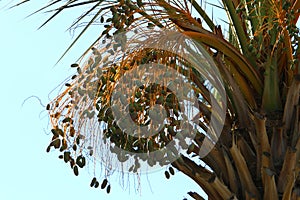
[257, 153]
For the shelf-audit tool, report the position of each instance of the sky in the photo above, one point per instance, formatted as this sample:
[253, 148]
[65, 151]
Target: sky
[28, 58]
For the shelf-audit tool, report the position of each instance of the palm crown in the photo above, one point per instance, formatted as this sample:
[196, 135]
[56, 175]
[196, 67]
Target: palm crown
[257, 154]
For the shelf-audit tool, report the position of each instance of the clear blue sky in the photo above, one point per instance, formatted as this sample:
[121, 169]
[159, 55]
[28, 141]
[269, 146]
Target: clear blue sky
[27, 68]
